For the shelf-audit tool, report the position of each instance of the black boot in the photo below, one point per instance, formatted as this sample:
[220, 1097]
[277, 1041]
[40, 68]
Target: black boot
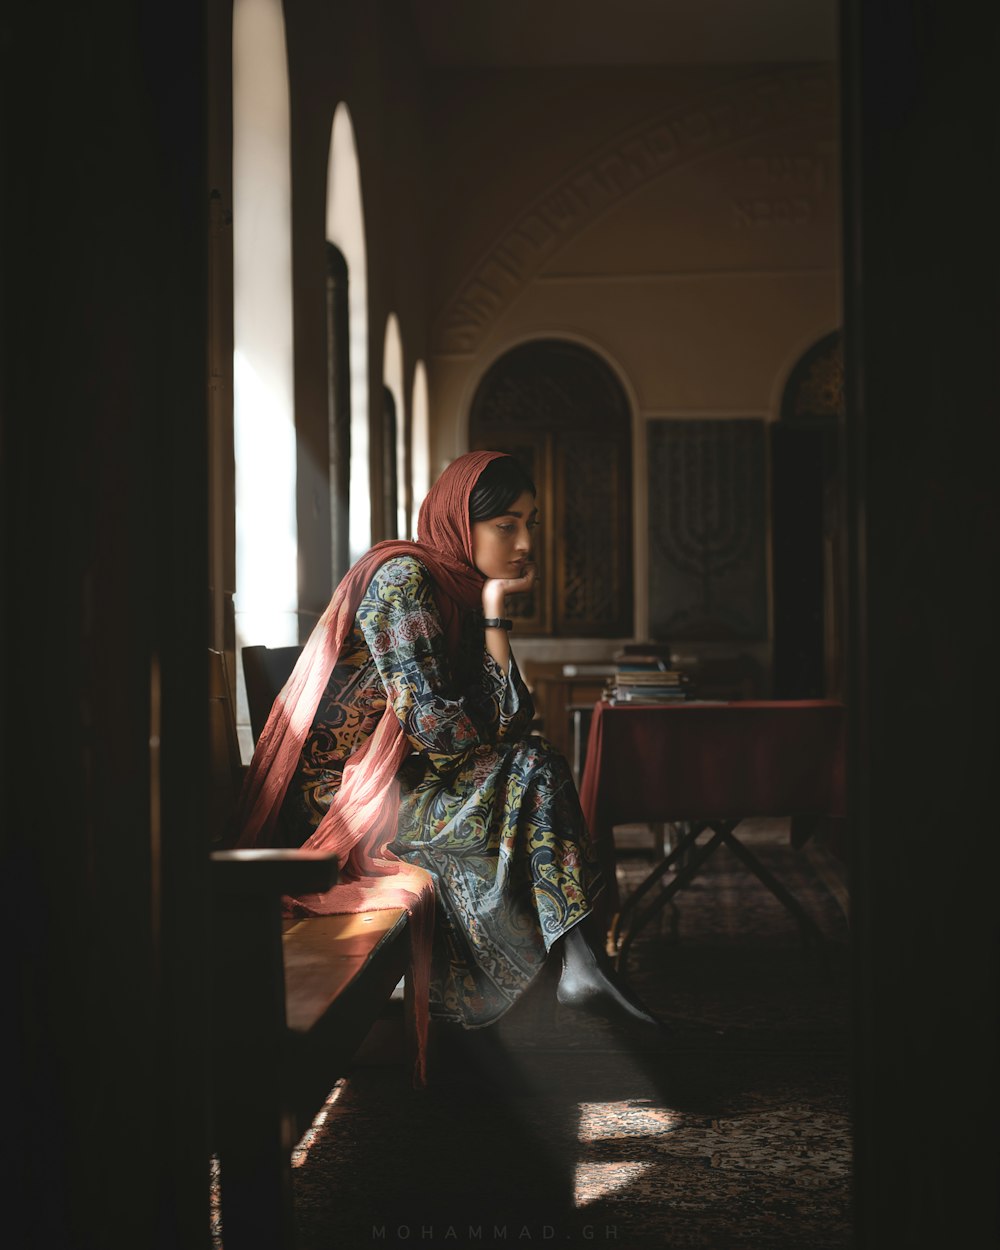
[589, 984]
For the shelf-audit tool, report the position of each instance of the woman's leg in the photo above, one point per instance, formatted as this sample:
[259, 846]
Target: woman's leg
[589, 983]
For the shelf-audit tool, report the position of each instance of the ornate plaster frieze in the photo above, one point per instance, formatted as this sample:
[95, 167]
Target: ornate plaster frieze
[678, 137]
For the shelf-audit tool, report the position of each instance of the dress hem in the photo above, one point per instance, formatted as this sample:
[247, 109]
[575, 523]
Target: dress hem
[485, 1024]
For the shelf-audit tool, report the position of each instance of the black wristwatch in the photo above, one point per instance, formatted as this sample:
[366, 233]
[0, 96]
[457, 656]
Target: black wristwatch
[497, 622]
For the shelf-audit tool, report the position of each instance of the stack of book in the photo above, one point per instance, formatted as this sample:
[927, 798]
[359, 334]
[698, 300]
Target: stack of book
[646, 679]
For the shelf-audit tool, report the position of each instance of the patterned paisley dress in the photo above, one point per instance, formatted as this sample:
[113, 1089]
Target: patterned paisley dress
[488, 809]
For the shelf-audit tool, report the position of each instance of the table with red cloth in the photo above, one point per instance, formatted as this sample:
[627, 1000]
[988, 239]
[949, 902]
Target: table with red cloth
[707, 766]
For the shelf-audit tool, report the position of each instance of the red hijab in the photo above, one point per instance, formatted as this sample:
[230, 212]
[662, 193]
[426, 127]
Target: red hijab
[361, 819]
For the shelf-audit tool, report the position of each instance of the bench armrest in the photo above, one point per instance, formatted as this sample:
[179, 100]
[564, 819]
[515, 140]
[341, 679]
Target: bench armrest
[272, 872]
[248, 986]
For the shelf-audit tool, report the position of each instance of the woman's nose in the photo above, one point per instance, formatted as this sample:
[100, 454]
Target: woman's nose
[523, 542]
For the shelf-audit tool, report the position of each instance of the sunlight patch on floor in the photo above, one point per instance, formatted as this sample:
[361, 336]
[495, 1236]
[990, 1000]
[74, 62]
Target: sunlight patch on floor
[603, 1122]
[214, 1204]
[593, 1181]
[301, 1151]
[630, 1117]
[299, 1156]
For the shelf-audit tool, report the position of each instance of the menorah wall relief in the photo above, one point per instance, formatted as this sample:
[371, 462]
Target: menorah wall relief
[707, 519]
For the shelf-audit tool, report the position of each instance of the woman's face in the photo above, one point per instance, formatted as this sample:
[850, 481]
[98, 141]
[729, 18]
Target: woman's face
[501, 545]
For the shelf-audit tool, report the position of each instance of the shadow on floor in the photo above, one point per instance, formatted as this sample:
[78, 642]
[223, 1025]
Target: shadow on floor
[552, 1128]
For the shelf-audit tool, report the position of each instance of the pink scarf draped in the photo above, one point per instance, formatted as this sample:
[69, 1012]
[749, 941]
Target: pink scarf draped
[361, 820]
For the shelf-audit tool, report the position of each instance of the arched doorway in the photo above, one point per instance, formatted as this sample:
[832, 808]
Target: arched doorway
[804, 473]
[560, 409]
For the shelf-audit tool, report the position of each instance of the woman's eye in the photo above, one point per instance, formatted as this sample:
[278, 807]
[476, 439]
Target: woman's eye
[506, 529]
[533, 525]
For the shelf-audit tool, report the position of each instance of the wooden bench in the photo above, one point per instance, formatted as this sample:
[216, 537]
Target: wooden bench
[292, 1001]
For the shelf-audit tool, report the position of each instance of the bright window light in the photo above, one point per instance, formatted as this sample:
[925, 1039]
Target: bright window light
[420, 464]
[392, 377]
[345, 227]
[266, 600]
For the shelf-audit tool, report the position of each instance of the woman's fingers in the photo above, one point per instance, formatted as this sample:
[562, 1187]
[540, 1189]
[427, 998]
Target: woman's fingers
[518, 585]
[496, 589]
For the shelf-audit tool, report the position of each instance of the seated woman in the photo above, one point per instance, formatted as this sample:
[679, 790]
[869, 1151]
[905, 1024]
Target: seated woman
[401, 742]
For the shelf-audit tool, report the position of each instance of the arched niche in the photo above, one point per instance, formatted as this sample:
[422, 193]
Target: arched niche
[805, 528]
[561, 410]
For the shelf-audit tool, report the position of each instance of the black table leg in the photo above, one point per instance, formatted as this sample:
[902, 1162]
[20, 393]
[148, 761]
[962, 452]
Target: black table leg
[652, 877]
[807, 926]
[623, 935]
[684, 876]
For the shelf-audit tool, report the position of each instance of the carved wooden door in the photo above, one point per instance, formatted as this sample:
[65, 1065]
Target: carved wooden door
[558, 408]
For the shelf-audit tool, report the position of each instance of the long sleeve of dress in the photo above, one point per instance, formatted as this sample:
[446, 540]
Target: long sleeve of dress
[443, 719]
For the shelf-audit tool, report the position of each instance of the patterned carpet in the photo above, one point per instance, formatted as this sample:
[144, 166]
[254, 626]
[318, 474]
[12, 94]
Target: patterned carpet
[552, 1129]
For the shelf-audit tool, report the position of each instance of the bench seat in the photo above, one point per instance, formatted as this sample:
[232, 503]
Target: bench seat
[325, 955]
[340, 972]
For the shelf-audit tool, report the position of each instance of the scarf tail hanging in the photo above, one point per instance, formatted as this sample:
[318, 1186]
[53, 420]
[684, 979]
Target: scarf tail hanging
[373, 877]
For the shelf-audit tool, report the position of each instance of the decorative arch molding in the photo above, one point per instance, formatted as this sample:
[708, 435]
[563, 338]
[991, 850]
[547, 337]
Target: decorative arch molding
[570, 396]
[814, 389]
[614, 172]
[486, 361]
[792, 361]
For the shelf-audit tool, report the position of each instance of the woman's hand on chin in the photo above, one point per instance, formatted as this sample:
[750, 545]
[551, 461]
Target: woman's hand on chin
[496, 590]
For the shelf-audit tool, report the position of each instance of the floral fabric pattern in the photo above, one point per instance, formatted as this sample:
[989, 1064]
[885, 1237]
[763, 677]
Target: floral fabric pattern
[489, 809]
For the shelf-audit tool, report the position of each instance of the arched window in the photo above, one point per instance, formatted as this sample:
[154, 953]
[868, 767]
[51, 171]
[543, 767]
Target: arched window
[338, 374]
[561, 410]
[394, 459]
[420, 450]
[390, 473]
[345, 228]
[266, 598]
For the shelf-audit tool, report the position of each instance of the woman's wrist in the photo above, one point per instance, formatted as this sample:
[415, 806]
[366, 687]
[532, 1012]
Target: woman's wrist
[498, 646]
[493, 605]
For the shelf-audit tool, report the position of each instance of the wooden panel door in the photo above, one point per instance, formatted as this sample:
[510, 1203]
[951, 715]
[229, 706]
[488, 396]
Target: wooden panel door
[561, 410]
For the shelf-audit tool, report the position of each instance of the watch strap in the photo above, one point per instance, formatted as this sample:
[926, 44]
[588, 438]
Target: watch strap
[497, 622]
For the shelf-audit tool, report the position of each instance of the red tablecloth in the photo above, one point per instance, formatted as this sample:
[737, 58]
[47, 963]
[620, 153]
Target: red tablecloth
[697, 761]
